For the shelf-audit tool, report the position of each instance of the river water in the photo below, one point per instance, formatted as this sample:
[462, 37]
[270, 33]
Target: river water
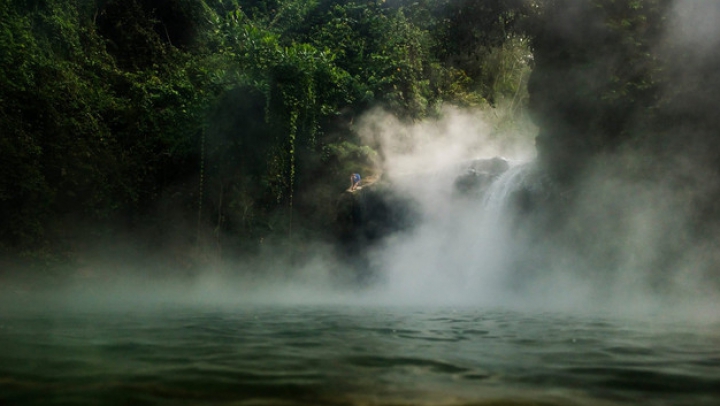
[353, 355]
[443, 328]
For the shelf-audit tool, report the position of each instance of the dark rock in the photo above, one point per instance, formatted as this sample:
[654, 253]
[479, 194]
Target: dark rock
[371, 213]
[365, 217]
[480, 173]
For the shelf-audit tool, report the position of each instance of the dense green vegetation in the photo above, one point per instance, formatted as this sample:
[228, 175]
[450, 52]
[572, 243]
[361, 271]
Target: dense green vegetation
[212, 126]
[625, 95]
[628, 78]
[203, 129]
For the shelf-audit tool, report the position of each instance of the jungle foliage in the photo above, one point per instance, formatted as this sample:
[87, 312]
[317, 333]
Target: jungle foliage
[219, 123]
[206, 127]
[625, 96]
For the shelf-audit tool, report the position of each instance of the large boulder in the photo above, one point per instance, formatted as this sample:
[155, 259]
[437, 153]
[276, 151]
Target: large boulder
[371, 213]
[479, 174]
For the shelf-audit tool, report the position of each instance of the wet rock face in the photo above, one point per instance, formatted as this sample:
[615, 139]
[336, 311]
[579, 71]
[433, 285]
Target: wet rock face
[364, 218]
[374, 212]
[479, 174]
[378, 210]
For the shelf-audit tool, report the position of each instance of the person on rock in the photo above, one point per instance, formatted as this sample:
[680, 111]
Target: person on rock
[354, 181]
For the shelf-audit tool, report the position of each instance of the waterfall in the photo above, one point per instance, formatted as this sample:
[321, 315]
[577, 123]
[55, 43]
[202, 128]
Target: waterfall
[493, 244]
[496, 198]
[461, 249]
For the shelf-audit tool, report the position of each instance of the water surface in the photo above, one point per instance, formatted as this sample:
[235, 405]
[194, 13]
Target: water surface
[330, 355]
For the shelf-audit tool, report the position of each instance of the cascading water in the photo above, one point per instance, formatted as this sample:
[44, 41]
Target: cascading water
[462, 248]
[495, 245]
[495, 199]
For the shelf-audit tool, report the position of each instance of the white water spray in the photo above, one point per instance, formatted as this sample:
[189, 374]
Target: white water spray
[496, 199]
[461, 251]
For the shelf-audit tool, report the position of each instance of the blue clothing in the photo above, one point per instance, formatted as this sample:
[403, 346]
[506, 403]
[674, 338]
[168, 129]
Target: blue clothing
[356, 178]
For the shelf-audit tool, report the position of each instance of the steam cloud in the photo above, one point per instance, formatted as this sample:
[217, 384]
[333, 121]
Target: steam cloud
[455, 254]
[627, 245]
[632, 248]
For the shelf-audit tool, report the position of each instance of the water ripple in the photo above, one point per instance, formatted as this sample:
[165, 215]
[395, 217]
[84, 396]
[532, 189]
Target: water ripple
[354, 356]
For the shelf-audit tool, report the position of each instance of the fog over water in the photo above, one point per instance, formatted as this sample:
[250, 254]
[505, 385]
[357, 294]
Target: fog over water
[512, 293]
[634, 253]
[463, 250]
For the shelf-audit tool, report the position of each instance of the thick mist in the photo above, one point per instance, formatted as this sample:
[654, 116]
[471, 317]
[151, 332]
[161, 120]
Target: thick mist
[625, 245]
[457, 252]
[453, 254]
[624, 249]
[637, 234]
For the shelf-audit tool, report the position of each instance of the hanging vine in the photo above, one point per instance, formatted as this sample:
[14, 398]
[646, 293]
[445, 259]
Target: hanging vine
[291, 145]
[201, 185]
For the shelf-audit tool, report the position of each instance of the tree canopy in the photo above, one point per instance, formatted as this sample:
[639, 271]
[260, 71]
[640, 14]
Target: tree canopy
[224, 121]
